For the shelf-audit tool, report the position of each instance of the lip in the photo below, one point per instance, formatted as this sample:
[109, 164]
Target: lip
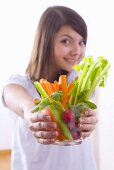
[71, 61]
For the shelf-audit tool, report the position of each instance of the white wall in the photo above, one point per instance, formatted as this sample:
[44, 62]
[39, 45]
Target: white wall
[17, 29]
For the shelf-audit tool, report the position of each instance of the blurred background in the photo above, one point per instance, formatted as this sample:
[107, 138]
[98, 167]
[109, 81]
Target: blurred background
[18, 22]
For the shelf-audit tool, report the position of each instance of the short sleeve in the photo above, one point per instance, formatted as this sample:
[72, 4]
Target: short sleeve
[72, 76]
[16, 79]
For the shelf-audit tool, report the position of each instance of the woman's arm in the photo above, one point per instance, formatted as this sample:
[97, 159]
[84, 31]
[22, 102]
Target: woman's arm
[17, 98]
[19, 101]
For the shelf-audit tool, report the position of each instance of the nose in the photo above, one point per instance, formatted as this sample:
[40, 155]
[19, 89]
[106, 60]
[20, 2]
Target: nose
[76, 50]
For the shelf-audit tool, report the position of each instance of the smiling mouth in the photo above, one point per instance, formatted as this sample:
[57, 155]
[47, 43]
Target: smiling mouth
[71, 61]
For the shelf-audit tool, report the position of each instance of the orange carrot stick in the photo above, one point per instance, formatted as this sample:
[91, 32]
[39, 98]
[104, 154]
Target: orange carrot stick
[48, 87]
[56, 86]
[70, 85]
[44, 85]
[64, 89]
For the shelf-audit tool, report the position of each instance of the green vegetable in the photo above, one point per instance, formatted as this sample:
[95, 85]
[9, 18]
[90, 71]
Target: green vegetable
[40, 89]
[56, 95]
[52, 99]
[92, 72]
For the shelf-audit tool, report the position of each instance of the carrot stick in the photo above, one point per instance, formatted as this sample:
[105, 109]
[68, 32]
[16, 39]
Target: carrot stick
[70, 86]
[52, 87]
[44, 85]
[56, 86]
[48, 87]
[64, 89]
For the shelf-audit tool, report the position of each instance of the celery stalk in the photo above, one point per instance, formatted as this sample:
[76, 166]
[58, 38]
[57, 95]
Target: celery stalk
[80, 81]
[95, 82]
[40, 89]
[92, 72]
[63, 126]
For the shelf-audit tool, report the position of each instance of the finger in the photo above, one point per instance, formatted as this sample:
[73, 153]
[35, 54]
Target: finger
[46, 141]
[88, 120]
[85, 134]
[89, 112]
[40, 116]
[46, 134]
[87, 127]
[42, 126]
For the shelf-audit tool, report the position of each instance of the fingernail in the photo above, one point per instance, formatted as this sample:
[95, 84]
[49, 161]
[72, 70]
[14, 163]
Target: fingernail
[53, 125]
[81, 125]
[57, 133]
[54, 134]
[47, 117]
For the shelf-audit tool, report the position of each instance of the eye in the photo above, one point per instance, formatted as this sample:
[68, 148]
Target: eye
[66, 41]
[82, 43]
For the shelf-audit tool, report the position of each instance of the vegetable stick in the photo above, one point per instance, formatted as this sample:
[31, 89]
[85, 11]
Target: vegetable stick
[61, 136]
[56, 86]
[48, 87]
[44, 85]
[70, 86]
[64, 89]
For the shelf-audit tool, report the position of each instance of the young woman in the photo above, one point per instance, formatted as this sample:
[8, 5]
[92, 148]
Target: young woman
[60, 43]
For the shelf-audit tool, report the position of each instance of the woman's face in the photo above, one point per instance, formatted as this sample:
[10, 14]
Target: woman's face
[69, 49]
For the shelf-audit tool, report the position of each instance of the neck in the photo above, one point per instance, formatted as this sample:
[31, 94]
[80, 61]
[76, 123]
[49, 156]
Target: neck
[56, 75]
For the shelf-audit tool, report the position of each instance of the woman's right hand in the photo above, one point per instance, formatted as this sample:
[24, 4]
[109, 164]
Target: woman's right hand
[44, 130]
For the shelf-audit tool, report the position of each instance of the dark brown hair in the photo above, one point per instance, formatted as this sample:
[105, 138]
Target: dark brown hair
[50, 22]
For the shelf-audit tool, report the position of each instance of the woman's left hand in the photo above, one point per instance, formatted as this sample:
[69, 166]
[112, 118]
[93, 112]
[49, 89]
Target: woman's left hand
[87, 123]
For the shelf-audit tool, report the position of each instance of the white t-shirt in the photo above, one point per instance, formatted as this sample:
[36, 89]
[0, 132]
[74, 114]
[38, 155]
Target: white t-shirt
[28, 154]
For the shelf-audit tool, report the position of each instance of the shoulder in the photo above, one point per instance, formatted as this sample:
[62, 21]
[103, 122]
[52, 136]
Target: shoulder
[25, 82]
[22, 80]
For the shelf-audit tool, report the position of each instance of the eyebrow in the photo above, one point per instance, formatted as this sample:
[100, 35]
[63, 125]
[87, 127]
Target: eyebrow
[66, 35]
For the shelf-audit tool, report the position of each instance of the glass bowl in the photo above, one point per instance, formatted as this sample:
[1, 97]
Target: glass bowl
[69, 142]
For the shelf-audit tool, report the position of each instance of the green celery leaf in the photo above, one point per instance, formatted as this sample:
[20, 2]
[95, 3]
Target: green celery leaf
[91, 105]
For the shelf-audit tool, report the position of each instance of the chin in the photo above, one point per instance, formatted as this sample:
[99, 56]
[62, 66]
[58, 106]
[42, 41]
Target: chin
[69, 69]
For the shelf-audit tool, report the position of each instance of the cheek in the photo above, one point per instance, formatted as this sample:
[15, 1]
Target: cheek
[61, 51]
[58, 56]
[83, 51]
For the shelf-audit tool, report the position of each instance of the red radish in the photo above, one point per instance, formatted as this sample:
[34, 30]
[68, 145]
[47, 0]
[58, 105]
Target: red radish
[67, 116]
